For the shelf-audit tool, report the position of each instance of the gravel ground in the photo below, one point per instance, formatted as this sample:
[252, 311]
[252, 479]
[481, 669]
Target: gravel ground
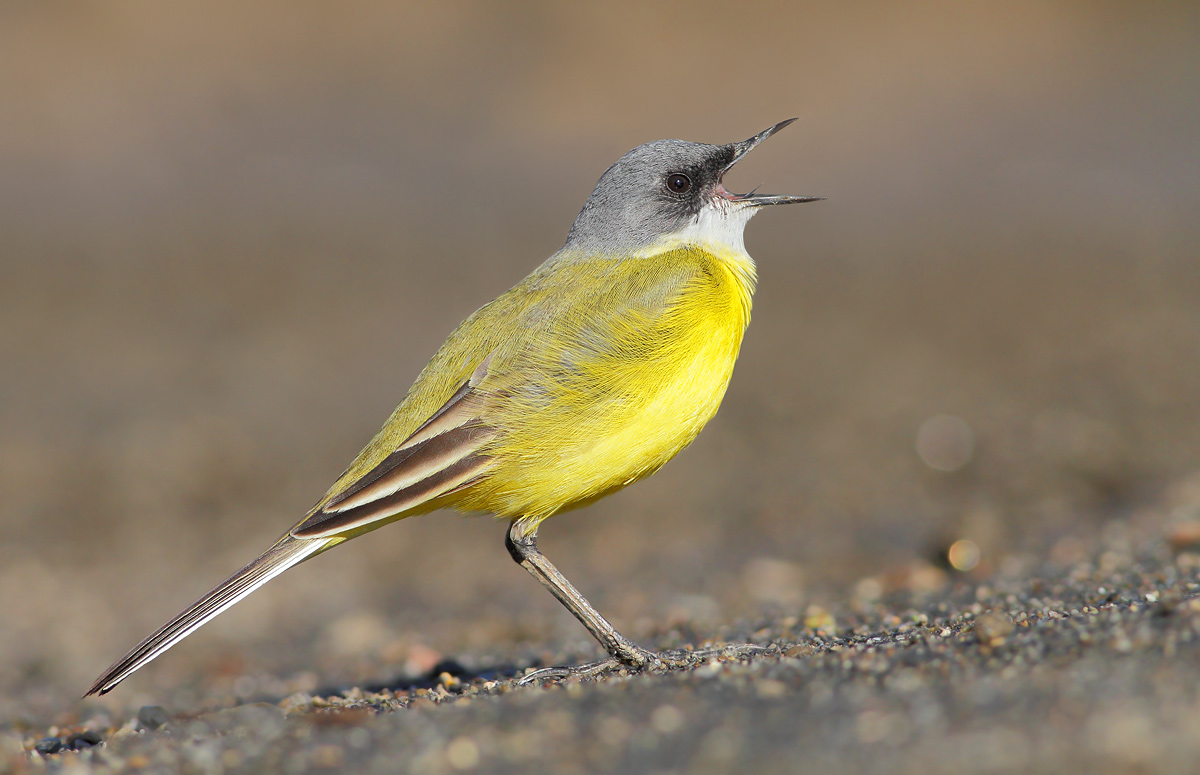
[1093, 667]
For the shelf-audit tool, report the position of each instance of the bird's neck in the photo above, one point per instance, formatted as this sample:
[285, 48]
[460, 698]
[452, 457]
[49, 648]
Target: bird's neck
[717, 232]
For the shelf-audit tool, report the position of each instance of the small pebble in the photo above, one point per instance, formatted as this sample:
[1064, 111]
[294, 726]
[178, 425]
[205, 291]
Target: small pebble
[48, 745]
[153, 716]
[450, 681]
[451, 666]
[85, 739]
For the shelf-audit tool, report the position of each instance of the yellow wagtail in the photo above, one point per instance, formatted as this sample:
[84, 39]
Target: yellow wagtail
[590, 374]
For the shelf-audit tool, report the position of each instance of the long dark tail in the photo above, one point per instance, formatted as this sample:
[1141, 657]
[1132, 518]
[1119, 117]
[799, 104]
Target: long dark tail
[283, 555]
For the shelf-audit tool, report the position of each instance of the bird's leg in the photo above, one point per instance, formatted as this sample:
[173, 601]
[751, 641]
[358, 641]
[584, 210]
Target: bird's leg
[522, 545]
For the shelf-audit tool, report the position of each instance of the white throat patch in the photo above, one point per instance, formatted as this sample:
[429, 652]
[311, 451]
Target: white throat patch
[719, 226]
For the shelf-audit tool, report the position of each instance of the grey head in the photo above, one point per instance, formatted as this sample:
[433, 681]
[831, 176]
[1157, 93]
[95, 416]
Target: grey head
[666, 188]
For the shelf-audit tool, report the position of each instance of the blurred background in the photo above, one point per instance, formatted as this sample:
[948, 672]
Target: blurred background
[231, 235]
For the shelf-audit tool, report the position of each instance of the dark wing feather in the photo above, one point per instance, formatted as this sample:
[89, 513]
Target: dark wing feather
[442, 455]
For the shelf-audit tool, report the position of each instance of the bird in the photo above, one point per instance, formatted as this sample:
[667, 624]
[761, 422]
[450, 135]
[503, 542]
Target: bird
[588, 375]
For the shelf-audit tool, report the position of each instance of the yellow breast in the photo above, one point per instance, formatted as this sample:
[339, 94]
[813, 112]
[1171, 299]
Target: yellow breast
[606, 395]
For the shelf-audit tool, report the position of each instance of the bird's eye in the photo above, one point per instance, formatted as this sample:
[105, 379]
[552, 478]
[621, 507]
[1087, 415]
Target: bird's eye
[678, 183]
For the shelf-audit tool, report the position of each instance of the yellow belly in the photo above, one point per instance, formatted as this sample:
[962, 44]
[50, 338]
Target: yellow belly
[615, 401]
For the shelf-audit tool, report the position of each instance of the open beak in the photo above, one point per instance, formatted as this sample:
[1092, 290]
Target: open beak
[754, 199]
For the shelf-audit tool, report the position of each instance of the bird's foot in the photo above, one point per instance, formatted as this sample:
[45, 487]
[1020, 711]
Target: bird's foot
[638, 660]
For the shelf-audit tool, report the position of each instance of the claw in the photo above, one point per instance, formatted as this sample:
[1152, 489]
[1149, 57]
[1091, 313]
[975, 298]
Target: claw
[560, 672]
[661, 661]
